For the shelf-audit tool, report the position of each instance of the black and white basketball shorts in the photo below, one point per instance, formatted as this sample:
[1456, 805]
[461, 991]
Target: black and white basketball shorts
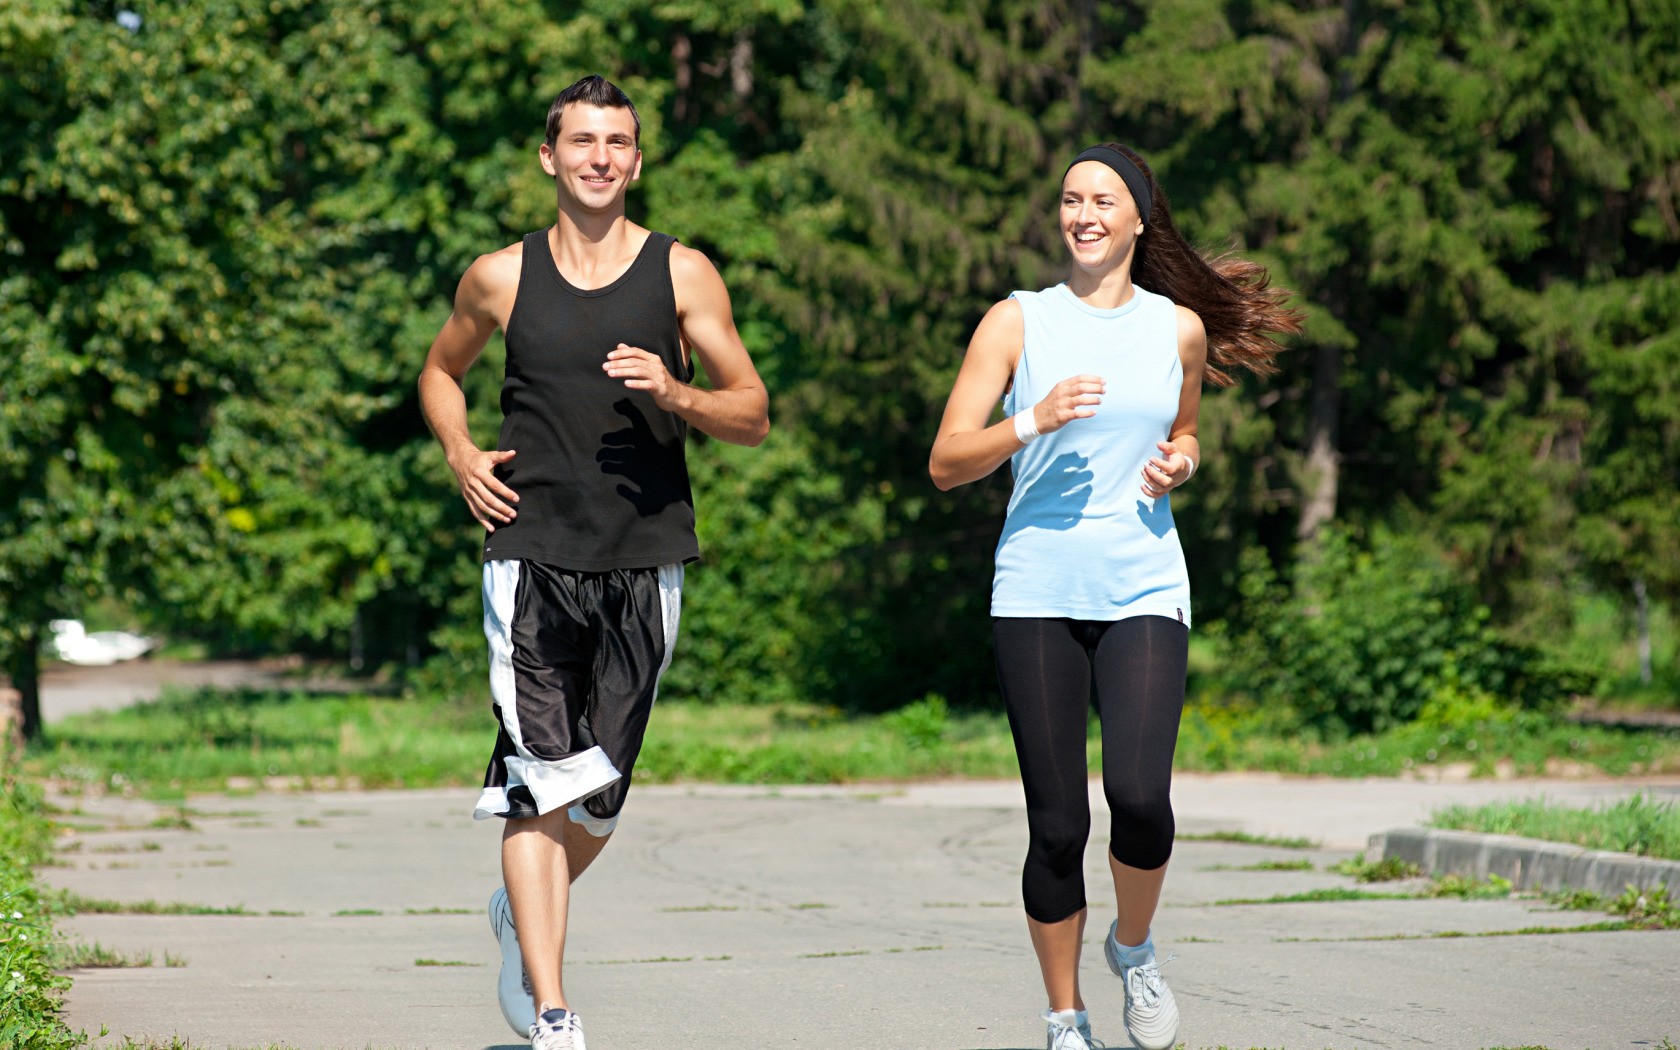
[575, 660]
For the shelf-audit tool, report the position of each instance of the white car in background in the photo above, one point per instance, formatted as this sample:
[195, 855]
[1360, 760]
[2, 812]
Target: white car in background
[72, 643]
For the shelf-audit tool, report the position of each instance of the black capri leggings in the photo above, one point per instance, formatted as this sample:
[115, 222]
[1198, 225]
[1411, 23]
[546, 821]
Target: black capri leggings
[1045, 669]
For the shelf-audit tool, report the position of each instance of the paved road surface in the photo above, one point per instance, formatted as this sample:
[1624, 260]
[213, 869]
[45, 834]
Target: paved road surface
[885, 918]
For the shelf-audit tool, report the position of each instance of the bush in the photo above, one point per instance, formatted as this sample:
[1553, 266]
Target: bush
[1364, 638]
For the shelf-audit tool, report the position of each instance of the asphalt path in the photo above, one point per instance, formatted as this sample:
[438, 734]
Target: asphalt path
[874, 917]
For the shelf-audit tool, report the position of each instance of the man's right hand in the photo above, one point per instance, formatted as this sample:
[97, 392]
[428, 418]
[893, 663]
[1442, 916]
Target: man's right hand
[482, 490]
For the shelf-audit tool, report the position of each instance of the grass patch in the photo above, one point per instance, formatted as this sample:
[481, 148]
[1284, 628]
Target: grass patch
[704, 907]
[1215, 736]
[1389, 869]
[240, 740]
[1470, 889]
[832, 955]
[1651, 909]
[1265, 865]
[74, 903]
[1637, 824]
[1246, 839]
[444, 962]
[655, 959]
[1331, 893]
[358, 911]
[439, 911]
[144, 847]
[95, 956]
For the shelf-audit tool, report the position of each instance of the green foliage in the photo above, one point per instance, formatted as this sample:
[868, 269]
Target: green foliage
[226, 237]
[1366, 638]
[922, 724]
[30, 993]
[1638, 823]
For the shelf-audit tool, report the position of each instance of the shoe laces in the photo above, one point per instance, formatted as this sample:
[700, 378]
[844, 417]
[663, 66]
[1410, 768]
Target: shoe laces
[556, 1035]
[1144, 985]
[1067, 1036]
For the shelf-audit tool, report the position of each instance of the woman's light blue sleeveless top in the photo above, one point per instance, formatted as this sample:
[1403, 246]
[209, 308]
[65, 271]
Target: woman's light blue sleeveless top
[1081, 539]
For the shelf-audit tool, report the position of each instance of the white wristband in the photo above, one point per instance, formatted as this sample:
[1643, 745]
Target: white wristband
[1026, 428]
[1192, 473]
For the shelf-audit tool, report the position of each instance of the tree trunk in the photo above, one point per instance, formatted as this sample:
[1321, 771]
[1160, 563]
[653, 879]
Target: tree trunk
[1323, 460]
[741, 65]
[1642, 610]
[681, 51]
[26, 678]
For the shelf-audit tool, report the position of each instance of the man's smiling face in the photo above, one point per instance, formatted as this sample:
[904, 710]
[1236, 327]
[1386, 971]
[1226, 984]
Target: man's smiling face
[594, 158]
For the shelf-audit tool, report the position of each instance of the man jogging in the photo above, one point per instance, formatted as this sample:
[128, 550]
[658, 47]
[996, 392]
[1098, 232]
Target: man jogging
[587, 510]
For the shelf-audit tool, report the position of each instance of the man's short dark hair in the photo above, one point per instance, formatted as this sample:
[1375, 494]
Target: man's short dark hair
[592, 90]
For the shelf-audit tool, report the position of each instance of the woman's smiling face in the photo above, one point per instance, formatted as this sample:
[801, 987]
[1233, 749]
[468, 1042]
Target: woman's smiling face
[1100, 220]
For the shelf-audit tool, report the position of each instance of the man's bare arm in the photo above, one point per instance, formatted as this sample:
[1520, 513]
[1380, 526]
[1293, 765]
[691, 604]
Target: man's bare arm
[737, 407]
[442, 400]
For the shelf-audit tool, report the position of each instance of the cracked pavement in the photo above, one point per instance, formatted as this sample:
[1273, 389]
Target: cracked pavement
[879, 917]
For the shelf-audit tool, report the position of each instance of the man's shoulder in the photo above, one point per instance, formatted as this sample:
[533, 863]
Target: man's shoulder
[499, 267]
[690, 264]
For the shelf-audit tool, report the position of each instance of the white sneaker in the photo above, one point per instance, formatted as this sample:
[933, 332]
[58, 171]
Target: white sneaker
[513, 987]
[1067, 1030]
[557, 1029]
[1151, 1011]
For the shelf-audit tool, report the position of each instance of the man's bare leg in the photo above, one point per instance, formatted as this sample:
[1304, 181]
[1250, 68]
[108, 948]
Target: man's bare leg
[1057, 945]
[541, 857]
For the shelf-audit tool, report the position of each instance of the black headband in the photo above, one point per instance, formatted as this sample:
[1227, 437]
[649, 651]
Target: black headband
[1129, 173]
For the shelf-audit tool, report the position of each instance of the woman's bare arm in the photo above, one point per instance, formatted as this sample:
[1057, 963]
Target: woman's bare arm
[966, 449]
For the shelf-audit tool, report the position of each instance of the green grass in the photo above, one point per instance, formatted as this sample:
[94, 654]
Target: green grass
[207, 740]
[1389, 869]
[444, 962]
[31, 994]
[83, 956]
[1636, 824]
[1331, 893]
[1218, 736]
[74, 903]
[1652, 909]
[1249, 840]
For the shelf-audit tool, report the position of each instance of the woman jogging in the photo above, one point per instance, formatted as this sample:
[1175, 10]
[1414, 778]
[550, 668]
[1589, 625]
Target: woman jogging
[1101, 382]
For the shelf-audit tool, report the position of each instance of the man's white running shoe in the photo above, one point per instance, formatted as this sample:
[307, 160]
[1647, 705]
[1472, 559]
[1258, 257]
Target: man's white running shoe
[1066, 1030]
[1151, 1011]
[557, 1029]
[513, 987]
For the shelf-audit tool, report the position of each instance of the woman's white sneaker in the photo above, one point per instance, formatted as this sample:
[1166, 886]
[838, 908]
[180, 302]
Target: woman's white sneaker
[1067, 1030]
[513, 987]
[1151, 1011]
[557, 1029]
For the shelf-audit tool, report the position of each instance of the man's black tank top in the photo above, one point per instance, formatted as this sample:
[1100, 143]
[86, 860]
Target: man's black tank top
[600, 470]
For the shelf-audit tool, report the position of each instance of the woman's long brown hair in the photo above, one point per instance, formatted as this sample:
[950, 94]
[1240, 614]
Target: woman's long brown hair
[1233, 297]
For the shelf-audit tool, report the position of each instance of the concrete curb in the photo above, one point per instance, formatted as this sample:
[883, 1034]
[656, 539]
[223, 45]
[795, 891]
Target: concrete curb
[1530, 864]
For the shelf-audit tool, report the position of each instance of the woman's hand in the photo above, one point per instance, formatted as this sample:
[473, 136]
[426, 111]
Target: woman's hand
[1067, 401]
[1165, 472]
